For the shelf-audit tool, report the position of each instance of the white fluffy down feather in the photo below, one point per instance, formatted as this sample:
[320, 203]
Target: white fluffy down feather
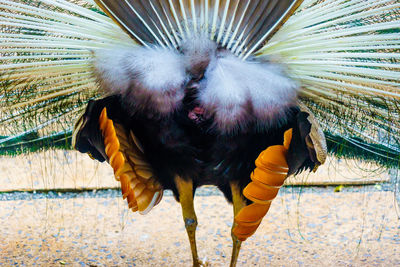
[240, 92]
[149, 78]
[234, 91]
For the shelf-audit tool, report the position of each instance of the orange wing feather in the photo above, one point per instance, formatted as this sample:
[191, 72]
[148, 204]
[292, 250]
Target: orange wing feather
[138, 185]
[268, 177]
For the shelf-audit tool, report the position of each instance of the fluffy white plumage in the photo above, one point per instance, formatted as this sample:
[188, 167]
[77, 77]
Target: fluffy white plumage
[148, 77]
[239, 92]
[234, 91]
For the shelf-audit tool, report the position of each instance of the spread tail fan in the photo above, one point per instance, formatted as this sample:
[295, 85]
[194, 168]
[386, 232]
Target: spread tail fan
[45, 68]
[346, 54]
[240, 26]
[343, 53]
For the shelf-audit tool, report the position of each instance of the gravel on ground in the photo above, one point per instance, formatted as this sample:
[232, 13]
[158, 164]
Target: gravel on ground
[315, 226]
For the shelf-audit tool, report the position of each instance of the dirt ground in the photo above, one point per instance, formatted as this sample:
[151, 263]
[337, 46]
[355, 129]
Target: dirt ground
[306, 226]
[303, 228]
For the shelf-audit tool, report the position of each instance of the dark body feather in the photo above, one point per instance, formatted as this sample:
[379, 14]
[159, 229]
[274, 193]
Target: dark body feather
[178, 145]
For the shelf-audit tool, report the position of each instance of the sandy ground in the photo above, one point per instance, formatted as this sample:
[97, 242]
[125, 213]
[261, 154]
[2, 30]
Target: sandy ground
[303, 228]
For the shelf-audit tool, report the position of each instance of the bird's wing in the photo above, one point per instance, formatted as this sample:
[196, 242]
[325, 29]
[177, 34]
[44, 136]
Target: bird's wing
[345, 54]
[102, 133]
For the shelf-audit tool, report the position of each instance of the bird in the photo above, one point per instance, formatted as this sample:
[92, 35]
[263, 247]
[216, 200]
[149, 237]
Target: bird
[178, 94]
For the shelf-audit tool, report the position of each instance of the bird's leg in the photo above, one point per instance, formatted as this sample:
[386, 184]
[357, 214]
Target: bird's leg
[238, 203]
[185, 190]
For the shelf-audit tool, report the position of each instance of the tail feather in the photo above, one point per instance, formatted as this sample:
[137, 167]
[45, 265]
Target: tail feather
[168, 23]
[45, 68]
[346, 56]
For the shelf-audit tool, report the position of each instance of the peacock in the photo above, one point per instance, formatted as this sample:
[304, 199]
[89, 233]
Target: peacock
[177, 94]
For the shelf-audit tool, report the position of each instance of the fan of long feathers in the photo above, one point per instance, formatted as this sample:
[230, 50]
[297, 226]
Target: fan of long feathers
[344, 54]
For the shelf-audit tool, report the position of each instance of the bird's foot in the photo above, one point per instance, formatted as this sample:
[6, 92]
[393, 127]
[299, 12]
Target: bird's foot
[201, 263]
[197, 263]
